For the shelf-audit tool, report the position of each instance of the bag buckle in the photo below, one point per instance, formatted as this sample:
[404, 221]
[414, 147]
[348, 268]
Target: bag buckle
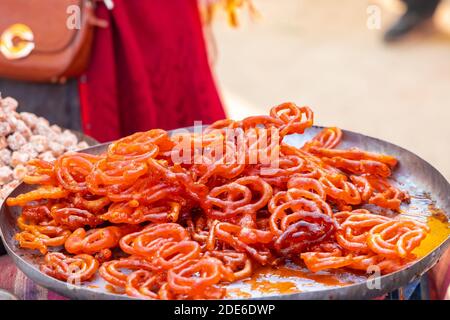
[17, 42]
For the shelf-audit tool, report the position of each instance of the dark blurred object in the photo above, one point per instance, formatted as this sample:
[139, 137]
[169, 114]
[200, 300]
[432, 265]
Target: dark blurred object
[417, 13]
[58, 103]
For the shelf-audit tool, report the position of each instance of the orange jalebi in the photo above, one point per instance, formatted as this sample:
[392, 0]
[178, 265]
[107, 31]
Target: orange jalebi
[43, 173]
[75, 269]
[144, 284]
[74, 218]
[318, 260]
[327, 138]
[178, 217]
[71, 170]
[238, 262]
[355, 228]
[244, 239]
[396, 239]
[171, 254]
[239, 197]
[40, 236]
[46, 192]
[147, 242]
[115, 271]
[95, 240]
[197, 278]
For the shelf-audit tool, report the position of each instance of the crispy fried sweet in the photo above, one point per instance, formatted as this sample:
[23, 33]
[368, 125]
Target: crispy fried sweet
[239, 263]
[95, 240]
[171, 254]
[38, 239]
[327, 138]
[74, 218]
[144, 284]
[397, 238]
[45, 192]
[242, 239]
[238, 197]
[78, 268]
[42, 172]
[317, 260]
[115, 271]
[40, 235]
[177, 217]
[71, 170]
[147, 242]
[301, 230]
[355, 227]
[197, 278]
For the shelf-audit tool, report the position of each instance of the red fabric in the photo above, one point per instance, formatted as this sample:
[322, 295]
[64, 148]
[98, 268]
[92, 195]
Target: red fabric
[149, 69]
[15, 282]
[440, 278]
[84, 106]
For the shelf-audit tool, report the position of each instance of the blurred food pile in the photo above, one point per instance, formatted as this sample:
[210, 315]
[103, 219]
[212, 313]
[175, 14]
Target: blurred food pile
[25, 136]
[209, 8]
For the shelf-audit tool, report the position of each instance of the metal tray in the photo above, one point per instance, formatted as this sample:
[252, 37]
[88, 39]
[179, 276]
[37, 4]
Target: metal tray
[424, 183]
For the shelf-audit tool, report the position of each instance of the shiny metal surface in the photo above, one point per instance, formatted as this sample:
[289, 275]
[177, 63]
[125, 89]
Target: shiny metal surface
[413, 174]
[6, 295]
[82, 137]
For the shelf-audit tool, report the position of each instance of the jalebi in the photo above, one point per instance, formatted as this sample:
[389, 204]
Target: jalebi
[179, 216]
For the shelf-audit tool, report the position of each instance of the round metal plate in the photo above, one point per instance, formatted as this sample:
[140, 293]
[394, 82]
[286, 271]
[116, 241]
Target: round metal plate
[413, 174]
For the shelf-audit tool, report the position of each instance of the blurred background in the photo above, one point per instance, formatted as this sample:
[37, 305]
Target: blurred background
[328, 55]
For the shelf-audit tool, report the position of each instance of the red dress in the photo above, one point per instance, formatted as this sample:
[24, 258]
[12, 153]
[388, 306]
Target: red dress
[149, 69]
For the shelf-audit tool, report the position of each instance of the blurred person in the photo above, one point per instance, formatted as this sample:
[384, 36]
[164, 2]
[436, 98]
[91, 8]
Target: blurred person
[148, 69]
[417, 13]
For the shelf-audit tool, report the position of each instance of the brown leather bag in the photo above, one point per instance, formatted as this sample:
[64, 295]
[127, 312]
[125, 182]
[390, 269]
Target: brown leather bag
[37, 43]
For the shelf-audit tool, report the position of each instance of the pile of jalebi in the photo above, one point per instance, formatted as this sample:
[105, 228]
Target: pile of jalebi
[177, 216]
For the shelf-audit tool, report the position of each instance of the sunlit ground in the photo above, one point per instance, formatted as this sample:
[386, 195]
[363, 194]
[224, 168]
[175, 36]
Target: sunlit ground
[321, 53]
